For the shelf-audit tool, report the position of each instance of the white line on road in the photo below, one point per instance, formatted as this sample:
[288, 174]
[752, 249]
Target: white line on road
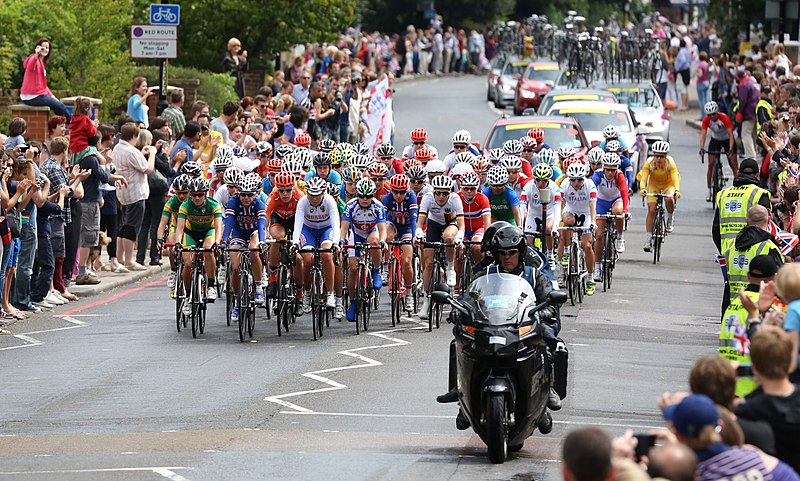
[26, 337]
[354, 353]
[164, 471]
[169, 474]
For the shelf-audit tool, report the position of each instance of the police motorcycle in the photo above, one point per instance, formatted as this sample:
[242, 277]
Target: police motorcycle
[503, 374]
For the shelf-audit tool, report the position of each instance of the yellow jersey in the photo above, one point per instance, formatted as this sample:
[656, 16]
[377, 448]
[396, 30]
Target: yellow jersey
[660, 177]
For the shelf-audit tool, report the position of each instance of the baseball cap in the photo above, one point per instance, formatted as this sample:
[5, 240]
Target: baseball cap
[691, 415]
[763, 266]
[748, 166]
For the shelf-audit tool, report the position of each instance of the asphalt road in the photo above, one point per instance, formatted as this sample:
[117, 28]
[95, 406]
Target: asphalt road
[112, 392]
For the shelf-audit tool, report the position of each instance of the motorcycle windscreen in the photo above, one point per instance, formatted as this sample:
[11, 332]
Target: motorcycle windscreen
[499, 298]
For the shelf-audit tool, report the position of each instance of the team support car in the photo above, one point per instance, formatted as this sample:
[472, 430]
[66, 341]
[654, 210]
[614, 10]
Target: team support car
[558, 132]
[506, 82]
[536, 82]
[594, 116]
[651, 113]
[575, 94]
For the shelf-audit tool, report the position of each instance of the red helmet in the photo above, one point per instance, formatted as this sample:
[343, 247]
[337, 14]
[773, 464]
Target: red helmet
[284, 180]
[423, 154]
[537, 134]
[302, 140]
[419, 135]
[528, 142]
[399, 182]
[274, 165]
[378, 170]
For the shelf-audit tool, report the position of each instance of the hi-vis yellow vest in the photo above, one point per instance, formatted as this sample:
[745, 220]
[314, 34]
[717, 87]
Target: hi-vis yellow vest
[733, 203]
[734, 343]
[738, 263]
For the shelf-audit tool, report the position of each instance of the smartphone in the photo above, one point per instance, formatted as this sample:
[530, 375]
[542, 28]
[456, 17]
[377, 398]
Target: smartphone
[254, 126]
[645, 442]
[24, 148]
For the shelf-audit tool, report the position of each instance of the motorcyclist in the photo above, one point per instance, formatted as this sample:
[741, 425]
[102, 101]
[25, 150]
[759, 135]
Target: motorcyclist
[509, 248]
[533, 256]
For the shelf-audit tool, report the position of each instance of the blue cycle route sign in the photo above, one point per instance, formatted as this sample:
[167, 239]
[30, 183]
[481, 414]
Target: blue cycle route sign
[165, 14]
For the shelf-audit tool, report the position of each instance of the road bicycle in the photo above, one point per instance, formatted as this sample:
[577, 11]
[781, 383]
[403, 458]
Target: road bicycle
[438, 276]
[718, 179]
[285, 298]
[320, 313]
[179, 293]
[467, 264]
[575, 273]
[364, 295]
[396, 288]
[609, 255]
[659, 225]
[246, 291]
[196, 295]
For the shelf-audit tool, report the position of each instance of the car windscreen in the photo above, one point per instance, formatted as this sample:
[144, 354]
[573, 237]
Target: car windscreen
[543, 72]
[514, 68]
[636, 97]
[556, 134]
[596, 120]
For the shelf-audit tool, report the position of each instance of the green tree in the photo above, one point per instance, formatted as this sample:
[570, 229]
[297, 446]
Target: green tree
[733, 19]
[264, 29]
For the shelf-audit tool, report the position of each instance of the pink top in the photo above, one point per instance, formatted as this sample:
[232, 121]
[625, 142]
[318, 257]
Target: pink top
[80, 129]
[34, 81]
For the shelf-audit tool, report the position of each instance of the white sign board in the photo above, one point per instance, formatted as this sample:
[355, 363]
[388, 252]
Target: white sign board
[154, 41]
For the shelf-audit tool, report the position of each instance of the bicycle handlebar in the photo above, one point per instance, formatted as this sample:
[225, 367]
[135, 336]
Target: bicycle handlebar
[436, 244]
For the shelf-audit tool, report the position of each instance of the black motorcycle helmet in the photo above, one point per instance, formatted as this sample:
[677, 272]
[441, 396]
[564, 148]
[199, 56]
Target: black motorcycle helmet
[509, 237]
[486, 243]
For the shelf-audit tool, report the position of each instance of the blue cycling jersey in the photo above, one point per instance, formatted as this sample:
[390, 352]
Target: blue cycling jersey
[403, 214]
[243, 221]
[333, 177]
[363, 221]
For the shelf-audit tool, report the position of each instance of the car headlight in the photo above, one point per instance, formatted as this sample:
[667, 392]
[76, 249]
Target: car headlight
[528, 94]
[507, 88]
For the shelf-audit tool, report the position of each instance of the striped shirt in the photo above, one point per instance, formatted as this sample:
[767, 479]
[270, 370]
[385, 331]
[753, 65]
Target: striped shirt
[58, 176]
[732, 464]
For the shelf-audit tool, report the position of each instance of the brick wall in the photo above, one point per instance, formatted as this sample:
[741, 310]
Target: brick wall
[254, 80]
[36, 118]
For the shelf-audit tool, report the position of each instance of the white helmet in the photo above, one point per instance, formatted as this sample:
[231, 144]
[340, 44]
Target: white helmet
[660, 147]
[497, 175]
[442, 182]
[511, 162]
[248, 184]
[595, 155]
[305, 157]
[547, 156]
[462, 137]
[495, 155]
[316, 186]
[292, 165]
[232, 176]
[711, 108]
[512, 147]
[610, 132]
[225, 152]
[566, 151]
[613, 146]
[465, 157]
[611, 160]
[576, 170]
[461, 169]
[435, 166]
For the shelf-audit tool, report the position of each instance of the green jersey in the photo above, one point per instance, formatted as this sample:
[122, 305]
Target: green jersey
[200, 219]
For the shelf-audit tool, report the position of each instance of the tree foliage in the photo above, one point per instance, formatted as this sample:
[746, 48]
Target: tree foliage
[733, 19]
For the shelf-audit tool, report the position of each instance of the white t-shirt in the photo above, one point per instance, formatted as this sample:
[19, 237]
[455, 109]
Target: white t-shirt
[441, 214]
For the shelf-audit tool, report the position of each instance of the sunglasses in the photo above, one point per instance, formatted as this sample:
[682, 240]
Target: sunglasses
[576, 180]
[459, 146]
[387, 158]
[417, 181]
[469, 189]
[364, 196]
[508, 253]
[419, 143]
[513, 171]
[399, 192]
[439, 193]
[284, 191]
[527, 150]
[198, 194]
[246, 194]
[596, 163]
[609, 170]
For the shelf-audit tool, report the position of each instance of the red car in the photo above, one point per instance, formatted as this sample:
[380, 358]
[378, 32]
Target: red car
[558, 132]
[536, 81]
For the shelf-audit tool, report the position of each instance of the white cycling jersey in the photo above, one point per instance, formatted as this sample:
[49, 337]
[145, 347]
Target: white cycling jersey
[441, 214]
[578, 201]
[408, 151]
[533, 204]
[325, 215]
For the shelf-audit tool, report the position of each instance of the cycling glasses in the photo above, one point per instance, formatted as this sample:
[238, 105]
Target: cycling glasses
[441, 192]
[285, 191]
[198, 194]
[507, 252]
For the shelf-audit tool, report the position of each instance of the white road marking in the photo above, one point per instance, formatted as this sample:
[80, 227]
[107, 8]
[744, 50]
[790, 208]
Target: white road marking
[167, 472]
[354, 353]
[31, 341]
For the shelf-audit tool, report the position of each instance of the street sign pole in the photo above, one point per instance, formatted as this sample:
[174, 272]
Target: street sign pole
[162, 98]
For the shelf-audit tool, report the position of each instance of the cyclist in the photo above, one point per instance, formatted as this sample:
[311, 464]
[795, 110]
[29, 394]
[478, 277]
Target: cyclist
[169, 215]
[386, 154]
[528, 151]
[625, 164]
[327, 145]
[305, 158]
[503, 200]
[280, 207]
[516, 179]
[264, 153]
[444, 214]
[659, 175]
[595, 157]
[245, 227]
[367, 218]
[229, 188]
[316, 225]
[538, 135]
[401, 211]
[322, 169]
[294, 166]
[515, 148]
[612, 196]
[435, 168]
[580, 204]
[273, 167]
[494, 156]
[722, 140]
[461, 143]
[481, 167]
[350, 175]
[424, 156]
[419, 139]
[611, 132]
[419, 181]
[477, 214]
[378, 173]
[218, 167]
[338, 280]
[458, 171]
[548, 156]
[531, 198]
[303, 139]
[337, 159]
[199, 224]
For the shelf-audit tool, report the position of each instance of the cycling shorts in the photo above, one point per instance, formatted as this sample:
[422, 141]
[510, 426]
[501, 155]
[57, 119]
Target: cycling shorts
[715, 145]
[659, 189]
[581, 219]
[287, 224]
[604, 206]
[403, 232]
[194, 238]
[310, 237]
[355, 239]
[241, 237]
[435, 230]
[475, 235]
[534, 224]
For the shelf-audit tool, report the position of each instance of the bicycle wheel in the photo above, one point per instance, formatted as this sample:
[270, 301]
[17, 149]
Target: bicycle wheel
[417, 287]
[370, 299]
[573, 272]
[657, 233]
[244, 302]
[193, 299]
[180, 297]
[581, 273]
[716, 179]
[394, 290]
[203, 305]
[229, 295]
[434, 278]
[360, 297]
[608, 274]
[605, 263]
[251, 306]
[315, 313]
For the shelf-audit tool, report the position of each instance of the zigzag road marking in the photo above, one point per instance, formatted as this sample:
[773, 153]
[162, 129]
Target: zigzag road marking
[354, 353]
[31, 341]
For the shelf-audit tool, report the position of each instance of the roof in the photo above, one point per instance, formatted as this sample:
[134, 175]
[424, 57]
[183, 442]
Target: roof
[535, 119]
[589, 105]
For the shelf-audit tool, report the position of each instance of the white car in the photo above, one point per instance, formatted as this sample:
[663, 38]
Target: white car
[651, 113]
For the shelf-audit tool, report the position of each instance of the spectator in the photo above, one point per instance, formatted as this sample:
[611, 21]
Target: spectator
[475, 48]
[277, 82]
[11, 248]
[703, 84]
[182, 150]
[749, 93]
[44, 263]
[134, 167]
[302, 90]
[81, 128]
[159, 187]
[777, 400]
[586, 455]
[683, 63]
[90, 213]
[34, 89]
[108, 207]
[672, 461]
[199, 108]
[56, 127]
[137, 103]
[297, 117]
[174, 113]
[438, 52]
[16, 136]
[236, 64]
[54, 169]
[230, 112]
